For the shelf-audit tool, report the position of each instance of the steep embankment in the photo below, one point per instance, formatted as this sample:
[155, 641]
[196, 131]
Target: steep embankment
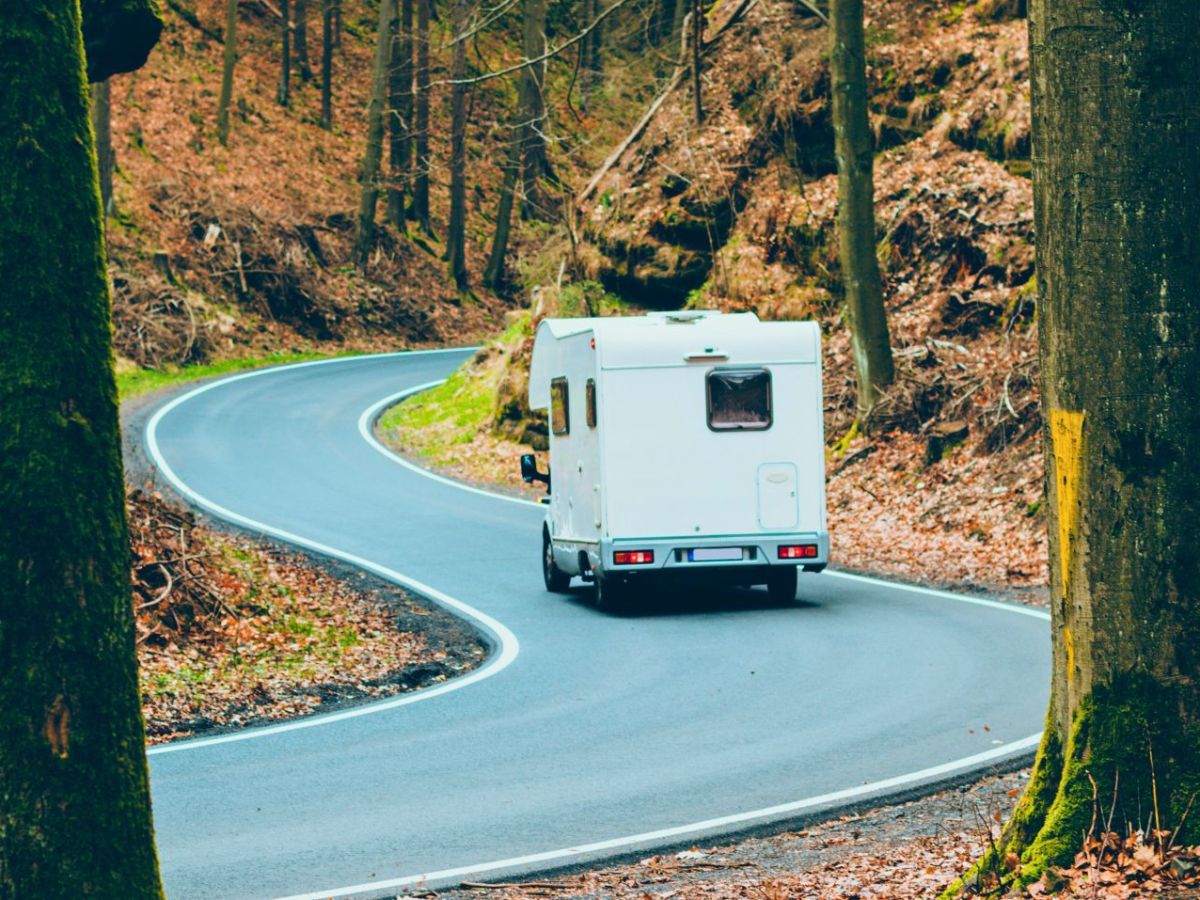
[227, 251]
[739, 213]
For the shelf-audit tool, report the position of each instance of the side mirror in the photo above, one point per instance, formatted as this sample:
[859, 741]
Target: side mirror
[530, 473]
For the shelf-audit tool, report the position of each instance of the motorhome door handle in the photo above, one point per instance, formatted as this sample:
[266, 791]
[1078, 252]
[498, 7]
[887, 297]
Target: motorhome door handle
[708, 354]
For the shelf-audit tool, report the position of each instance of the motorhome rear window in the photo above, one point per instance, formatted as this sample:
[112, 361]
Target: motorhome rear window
[560, 418]
[739, 399]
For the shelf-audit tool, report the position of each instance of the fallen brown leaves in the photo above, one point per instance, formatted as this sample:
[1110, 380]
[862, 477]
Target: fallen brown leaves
[232, 631]
[1139, 865]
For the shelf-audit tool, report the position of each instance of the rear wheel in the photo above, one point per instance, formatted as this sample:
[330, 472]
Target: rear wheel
[557, 581]
[781, 584]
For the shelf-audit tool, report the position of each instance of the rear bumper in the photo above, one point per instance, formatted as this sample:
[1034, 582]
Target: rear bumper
[672, 554]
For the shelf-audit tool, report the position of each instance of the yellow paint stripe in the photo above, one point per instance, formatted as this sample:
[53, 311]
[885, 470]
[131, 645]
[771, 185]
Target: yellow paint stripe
[1066, 437]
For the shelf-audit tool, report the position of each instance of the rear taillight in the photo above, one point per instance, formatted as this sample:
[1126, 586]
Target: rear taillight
[633, 557]
[798, 551]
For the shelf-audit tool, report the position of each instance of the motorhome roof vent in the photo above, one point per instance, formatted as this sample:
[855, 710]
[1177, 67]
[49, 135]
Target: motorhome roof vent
[687, 317]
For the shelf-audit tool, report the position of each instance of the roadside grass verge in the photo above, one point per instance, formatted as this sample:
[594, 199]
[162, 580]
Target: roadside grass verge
[133, 381]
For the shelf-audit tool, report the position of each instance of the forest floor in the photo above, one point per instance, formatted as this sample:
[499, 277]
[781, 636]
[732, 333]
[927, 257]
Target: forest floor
[234, 631]
[903, 851]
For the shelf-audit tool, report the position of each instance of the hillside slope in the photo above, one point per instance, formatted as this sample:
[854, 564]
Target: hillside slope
[739, 213]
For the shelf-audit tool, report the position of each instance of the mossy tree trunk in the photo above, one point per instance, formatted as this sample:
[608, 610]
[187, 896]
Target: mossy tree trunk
[74, 792]
[456, 230]
[106, 160]
[1116, 124]
[870, 342]
[420, 207]
[327, 9]
[231, 19]
[368, 175]
[400, 114]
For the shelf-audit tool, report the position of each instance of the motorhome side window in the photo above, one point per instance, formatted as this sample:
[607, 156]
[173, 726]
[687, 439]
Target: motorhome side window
[739, 399]
[560, 417]
[591, 403]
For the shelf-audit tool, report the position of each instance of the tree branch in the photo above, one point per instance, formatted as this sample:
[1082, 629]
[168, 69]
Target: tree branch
[549, 54]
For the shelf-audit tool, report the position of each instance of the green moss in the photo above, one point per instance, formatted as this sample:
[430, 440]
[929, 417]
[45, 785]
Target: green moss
[1128, 755]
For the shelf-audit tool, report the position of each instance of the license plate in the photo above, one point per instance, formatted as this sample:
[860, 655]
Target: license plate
[714, 554]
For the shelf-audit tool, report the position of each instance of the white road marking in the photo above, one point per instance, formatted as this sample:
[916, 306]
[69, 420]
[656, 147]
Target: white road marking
[507, 644]
[679, 831]
[508, 652]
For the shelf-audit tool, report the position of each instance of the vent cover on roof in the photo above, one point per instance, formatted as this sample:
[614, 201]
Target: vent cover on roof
[686, 317]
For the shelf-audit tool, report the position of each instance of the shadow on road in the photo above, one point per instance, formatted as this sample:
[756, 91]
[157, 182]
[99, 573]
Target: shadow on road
[689, 600]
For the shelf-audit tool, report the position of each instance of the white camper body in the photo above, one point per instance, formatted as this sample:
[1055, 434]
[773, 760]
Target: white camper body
[682, 444]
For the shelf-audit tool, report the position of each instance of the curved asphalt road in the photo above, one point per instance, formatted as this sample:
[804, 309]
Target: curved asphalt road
[586, 735]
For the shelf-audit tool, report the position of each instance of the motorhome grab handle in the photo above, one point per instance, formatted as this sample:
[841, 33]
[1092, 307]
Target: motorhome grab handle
[708, 354]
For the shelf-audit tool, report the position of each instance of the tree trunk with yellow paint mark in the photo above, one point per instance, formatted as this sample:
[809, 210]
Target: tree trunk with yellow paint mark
[1116, 119]
[74, 792]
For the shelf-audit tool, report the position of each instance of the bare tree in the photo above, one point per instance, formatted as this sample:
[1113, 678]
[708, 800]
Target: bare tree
[231, 17]
[301, 35]
[327, 12]
[493, 275]
[364, 232]
[856, 206]
[285, 57]
[697, 43]
[456, 229]
[400, 116]
[420, 208]
[532, 106]
[102, 127]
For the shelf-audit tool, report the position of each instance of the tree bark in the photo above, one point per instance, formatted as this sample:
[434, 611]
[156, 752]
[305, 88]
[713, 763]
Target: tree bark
[421, 137]
[74, 792]
[301, 34]
[457, 228]
[493, 276]
[327, 10]
[697, 44]
[285, 56]
[595, 73]
[102, 128]
[1116, 123]
[400, 124]
[231, 18]
[869, 337]
[532, 104]
[364, 232]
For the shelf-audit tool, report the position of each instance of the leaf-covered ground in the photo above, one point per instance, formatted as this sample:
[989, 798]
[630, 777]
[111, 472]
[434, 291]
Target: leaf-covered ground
[233, 631]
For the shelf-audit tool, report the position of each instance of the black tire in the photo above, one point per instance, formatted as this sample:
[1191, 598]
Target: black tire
[557, 581]
[781, 584]
[611, 593]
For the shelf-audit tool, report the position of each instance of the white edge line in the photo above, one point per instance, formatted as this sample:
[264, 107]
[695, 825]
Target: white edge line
[679, 831]
[367, 420]
[507, 644]
[508, 652]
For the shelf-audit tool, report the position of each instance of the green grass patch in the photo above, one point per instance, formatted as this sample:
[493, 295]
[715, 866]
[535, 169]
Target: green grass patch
[133, 381]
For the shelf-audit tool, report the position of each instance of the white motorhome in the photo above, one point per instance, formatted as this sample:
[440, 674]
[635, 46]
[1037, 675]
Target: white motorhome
[685, 444]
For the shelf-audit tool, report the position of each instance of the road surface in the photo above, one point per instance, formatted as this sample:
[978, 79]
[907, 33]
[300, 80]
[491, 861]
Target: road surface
[585, 736]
